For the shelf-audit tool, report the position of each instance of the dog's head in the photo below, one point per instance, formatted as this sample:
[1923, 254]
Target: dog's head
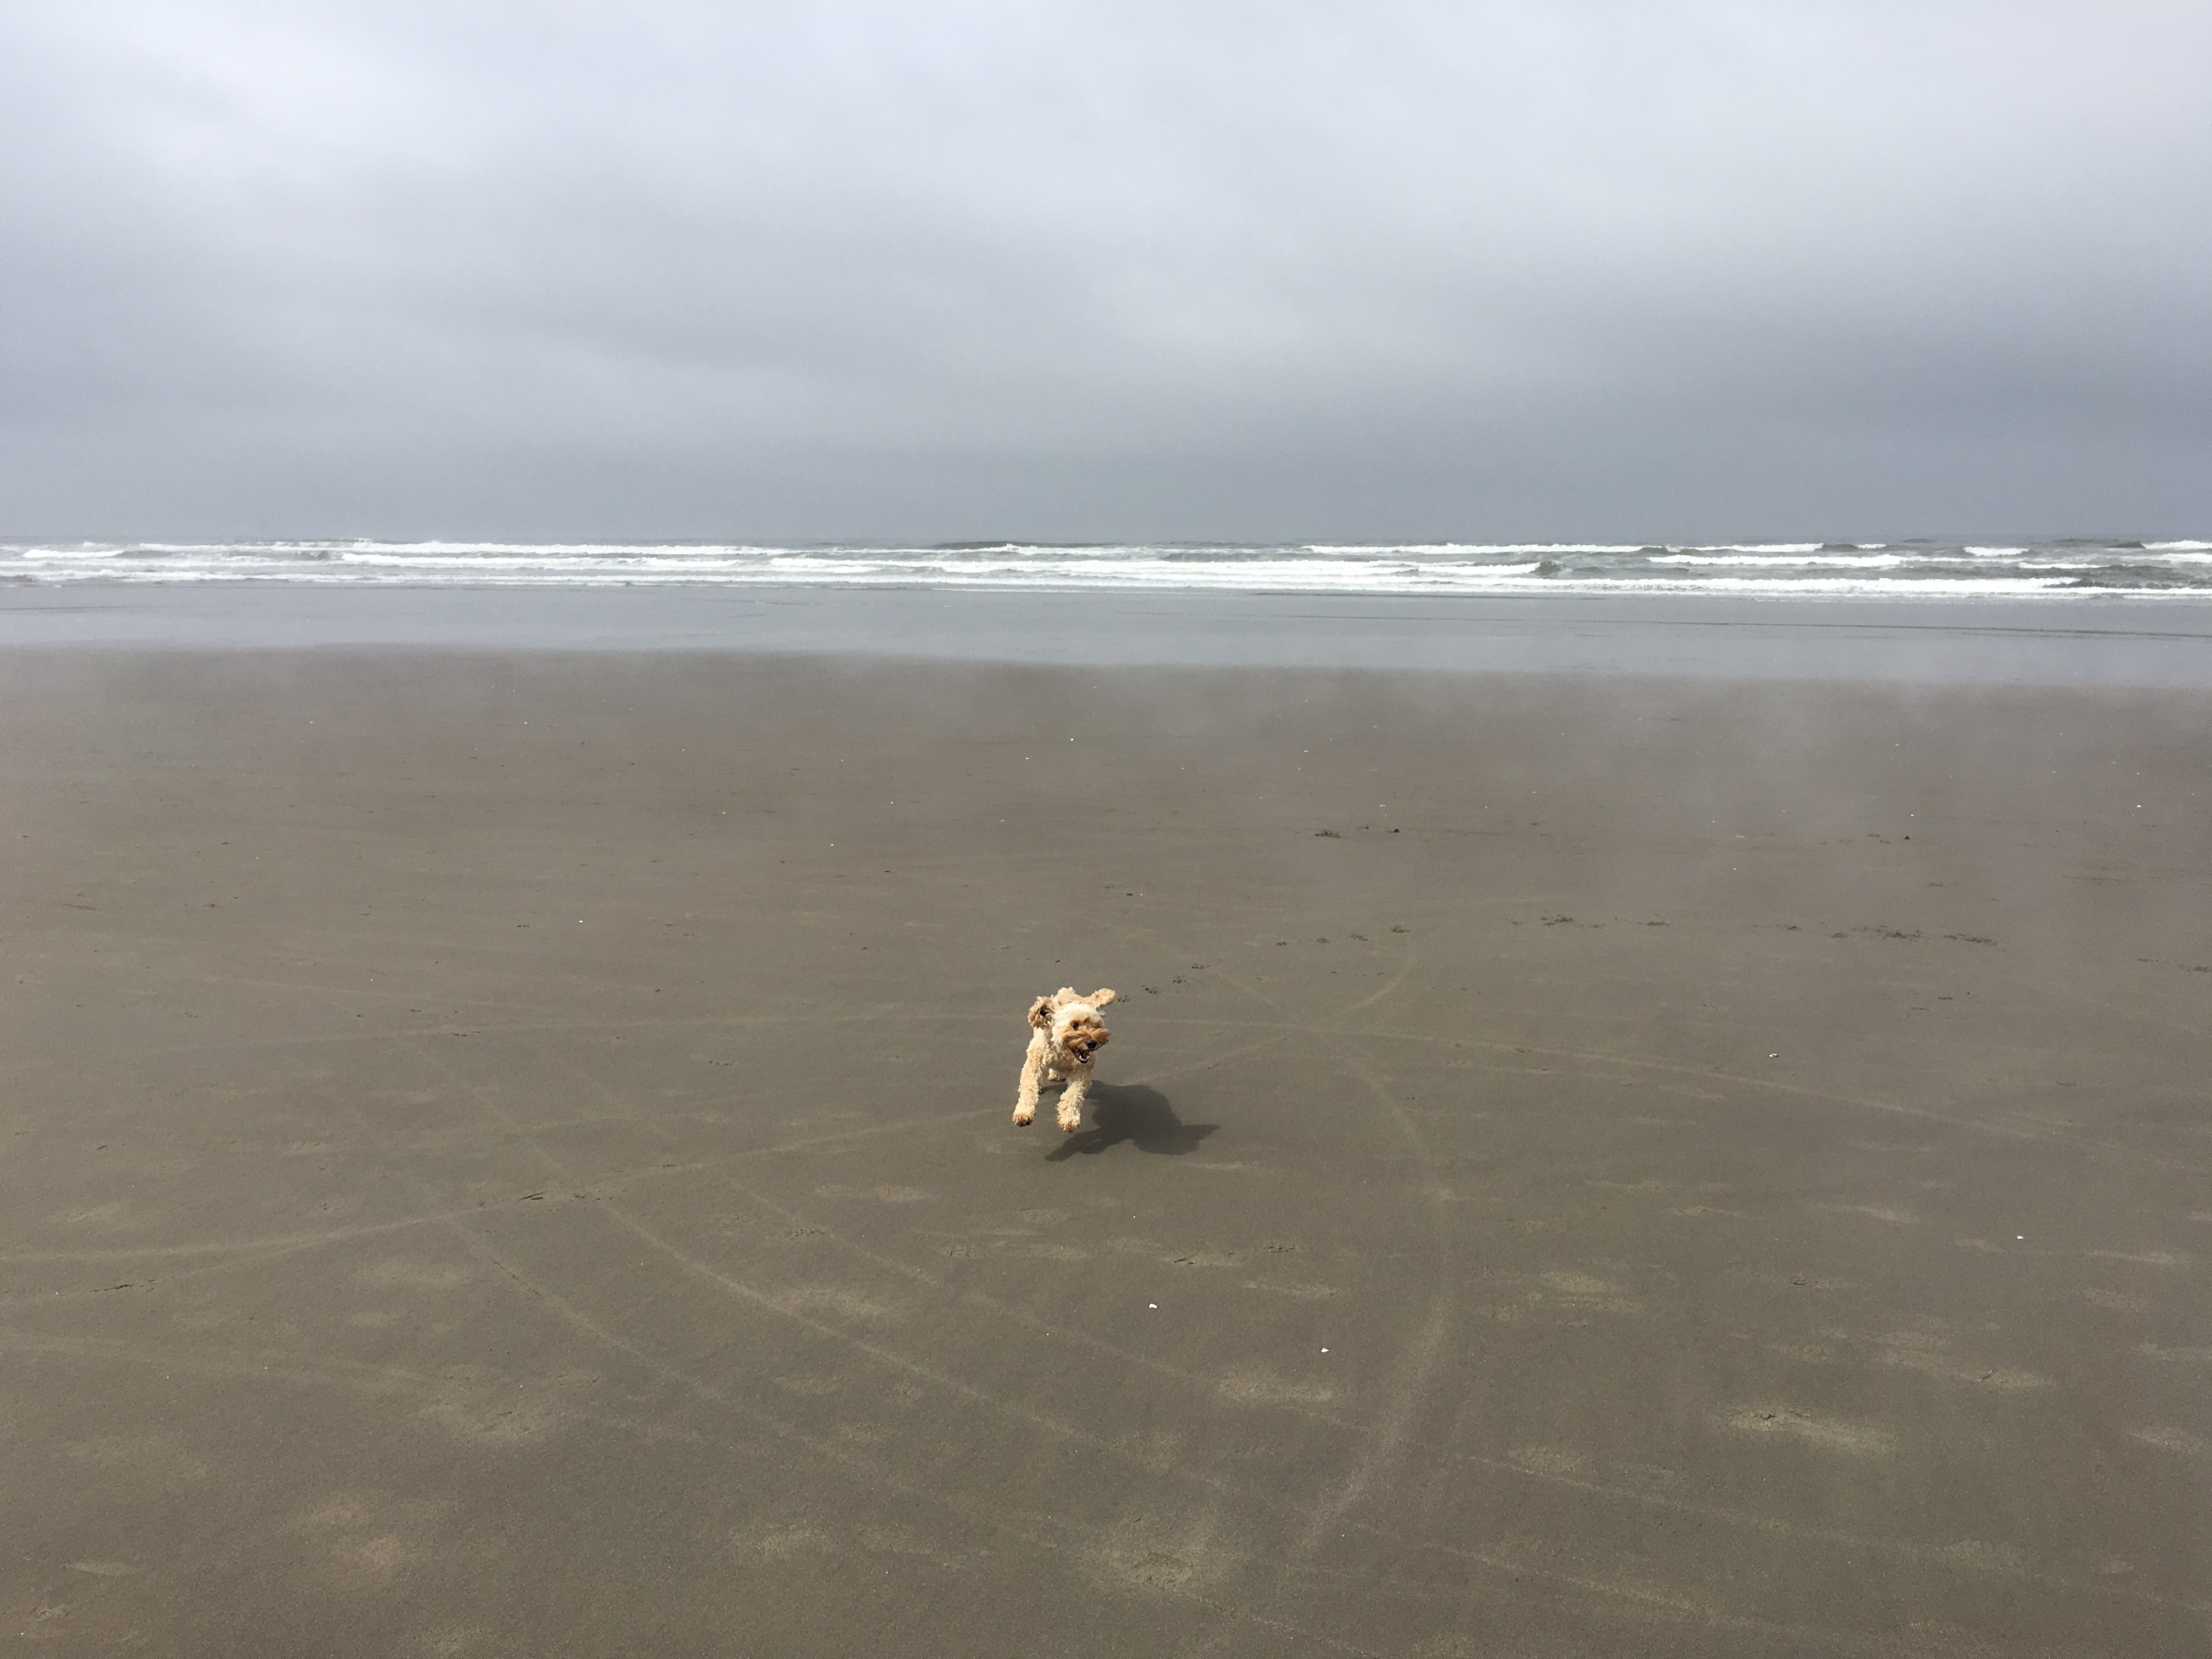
[1074, 1020]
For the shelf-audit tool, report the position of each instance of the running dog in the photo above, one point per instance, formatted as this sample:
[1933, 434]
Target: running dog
[1068, 1036]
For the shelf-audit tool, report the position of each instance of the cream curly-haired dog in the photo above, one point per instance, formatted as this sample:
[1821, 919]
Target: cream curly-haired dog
[1069, 1034]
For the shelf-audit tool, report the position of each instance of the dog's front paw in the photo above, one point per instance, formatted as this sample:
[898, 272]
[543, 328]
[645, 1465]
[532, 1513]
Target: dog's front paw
[1023, 1116]
[1070, 1121]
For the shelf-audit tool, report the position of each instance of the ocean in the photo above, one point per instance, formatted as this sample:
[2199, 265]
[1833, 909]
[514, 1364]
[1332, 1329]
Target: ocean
[1908, 569]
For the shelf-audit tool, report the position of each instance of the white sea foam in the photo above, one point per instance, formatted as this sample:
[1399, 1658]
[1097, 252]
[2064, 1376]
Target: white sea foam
[1812, 568]
[1480, 547]
[1867, 560]
[1844, 585]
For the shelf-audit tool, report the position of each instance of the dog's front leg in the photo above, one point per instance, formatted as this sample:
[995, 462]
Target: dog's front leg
[1025, 1096]
[1071, 1102]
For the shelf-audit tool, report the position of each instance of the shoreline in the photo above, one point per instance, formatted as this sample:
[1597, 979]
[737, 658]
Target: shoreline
[2119, 640]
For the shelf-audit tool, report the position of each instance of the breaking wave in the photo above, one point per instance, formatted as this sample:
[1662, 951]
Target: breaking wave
[1909, 569]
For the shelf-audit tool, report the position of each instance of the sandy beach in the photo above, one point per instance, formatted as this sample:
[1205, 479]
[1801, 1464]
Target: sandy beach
[508, 1153]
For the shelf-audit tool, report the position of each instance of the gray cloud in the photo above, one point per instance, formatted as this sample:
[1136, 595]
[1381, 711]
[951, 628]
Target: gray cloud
[1236, 272]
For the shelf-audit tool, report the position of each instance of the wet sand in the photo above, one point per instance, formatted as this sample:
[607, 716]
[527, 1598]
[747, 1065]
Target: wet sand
[2162, 642]
[509, 1154]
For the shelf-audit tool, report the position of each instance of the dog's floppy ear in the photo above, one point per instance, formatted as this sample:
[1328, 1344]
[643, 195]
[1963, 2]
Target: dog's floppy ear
[1041, 1013]
[1099, 999]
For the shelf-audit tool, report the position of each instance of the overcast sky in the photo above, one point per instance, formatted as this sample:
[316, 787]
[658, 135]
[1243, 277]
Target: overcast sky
[1214, 271]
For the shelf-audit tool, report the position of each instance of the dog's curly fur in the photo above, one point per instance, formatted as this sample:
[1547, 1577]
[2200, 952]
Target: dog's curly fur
[1065, 1044]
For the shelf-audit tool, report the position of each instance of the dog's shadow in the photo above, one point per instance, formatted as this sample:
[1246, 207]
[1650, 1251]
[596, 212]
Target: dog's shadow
[1135, 1113]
